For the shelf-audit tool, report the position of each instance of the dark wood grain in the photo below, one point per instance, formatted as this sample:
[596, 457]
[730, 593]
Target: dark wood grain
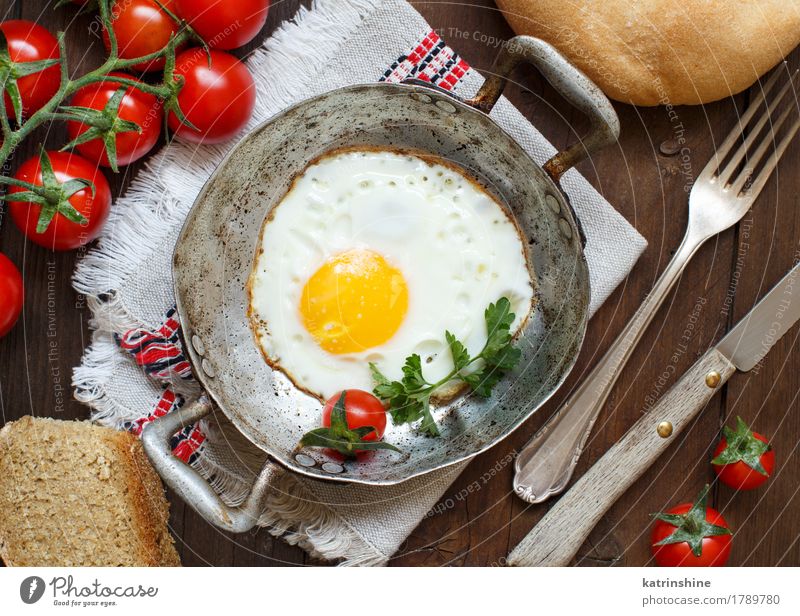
[486, 519]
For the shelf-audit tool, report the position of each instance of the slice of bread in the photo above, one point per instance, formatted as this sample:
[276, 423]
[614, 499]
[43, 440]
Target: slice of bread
[77, 494]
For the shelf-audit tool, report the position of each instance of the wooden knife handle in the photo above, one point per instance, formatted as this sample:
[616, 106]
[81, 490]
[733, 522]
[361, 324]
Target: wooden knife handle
[557, 537]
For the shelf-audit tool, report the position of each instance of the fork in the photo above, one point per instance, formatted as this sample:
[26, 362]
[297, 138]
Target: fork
[720, 197]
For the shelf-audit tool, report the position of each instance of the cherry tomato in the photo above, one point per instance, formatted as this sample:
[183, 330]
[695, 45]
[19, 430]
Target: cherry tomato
[142, 28]
[716, 549]
[224, 24]
[10, 294]
[362, 410]
[742, 451]
[63, 234]
[30, 42]
[136, 106]
[218, 100]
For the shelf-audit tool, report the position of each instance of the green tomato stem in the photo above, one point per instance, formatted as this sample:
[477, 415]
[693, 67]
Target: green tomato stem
[67, 87]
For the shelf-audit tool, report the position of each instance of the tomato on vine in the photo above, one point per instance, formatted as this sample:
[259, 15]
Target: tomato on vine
[29, 54]
[691, 535]
[217, 97]
[59, 200]
[743, 459]
[141, 27]
[224, 24]
[113, 125]
[11, 294]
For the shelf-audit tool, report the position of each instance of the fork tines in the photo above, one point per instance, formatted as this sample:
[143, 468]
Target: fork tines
[746, 170]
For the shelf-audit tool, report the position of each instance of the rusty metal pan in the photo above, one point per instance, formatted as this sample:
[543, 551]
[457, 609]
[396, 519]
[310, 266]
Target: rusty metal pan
[214, 257]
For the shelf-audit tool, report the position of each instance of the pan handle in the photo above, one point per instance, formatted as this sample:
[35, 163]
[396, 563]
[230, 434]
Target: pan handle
[189, 484]
[569, 81]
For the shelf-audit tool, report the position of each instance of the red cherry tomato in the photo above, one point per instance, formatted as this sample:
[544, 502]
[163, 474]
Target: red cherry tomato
[715, 551]
[224, 24]
[218, 100]
[136, 106]
[142, 28]
[739, 475]
[63, 234]
[30, 42]
[362, 410]
[10, 294]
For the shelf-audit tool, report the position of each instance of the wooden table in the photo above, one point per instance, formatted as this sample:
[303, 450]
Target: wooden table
[480, 521]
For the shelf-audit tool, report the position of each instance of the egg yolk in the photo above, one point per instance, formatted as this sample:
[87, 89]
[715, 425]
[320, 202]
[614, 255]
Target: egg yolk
[355, 301]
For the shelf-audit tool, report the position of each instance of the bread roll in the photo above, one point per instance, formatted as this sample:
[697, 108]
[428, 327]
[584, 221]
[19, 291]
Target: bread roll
[650, 52]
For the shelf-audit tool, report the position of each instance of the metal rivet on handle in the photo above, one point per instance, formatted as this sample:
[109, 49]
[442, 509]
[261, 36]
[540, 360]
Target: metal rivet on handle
[664, 429]
[566, 230]
[304, 460]
[553, 204]
[422, 98]
[445, 106]
[330, 467]
[198, 345]
[208, 368]
[713, 379]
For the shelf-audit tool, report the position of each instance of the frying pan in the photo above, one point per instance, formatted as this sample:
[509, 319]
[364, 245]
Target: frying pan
[215, 252]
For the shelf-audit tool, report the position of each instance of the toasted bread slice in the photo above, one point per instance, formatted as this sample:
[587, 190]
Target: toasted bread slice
[77, 494]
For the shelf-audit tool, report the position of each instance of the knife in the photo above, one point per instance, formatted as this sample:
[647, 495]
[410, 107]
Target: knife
[555, 540]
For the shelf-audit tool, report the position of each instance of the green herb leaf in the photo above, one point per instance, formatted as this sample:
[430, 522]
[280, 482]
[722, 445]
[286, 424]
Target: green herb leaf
[499, 355]
[408, 400]
[412, 373]
[458, 351]
[384, 388]
[498, 327]
[428, 425]
[483, 381]
[405, 409]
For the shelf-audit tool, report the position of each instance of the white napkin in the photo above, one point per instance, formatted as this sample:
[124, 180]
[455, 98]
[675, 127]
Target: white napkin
[128, 285]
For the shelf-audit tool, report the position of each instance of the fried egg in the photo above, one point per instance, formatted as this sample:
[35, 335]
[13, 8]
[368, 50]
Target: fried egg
[370, 257]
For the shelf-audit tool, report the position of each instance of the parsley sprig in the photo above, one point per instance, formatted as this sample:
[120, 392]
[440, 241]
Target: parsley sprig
[409, 399]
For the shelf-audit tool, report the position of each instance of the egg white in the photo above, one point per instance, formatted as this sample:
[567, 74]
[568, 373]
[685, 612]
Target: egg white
[455, 246]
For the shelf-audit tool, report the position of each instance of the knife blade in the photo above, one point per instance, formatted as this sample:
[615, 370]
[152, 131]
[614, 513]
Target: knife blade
[752, 338]
[555, 540]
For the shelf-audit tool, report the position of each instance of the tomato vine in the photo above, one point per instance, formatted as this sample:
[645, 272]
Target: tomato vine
[55, 109]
